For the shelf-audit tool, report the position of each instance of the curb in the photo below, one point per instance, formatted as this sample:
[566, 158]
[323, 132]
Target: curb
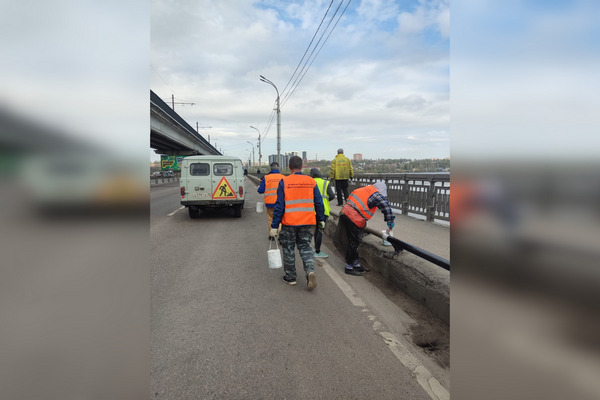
[423, 281]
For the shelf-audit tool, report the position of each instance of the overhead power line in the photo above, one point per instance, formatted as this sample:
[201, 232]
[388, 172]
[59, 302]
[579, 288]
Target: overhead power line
[289, 95]
[308, 62]
[268, 126]
[306, 51]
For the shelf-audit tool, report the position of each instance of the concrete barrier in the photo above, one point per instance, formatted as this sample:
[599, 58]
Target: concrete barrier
[160, 181]
[423, 281]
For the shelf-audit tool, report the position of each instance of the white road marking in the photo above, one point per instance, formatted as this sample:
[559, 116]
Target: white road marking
[344, 287]
[169, 215]
[431, 385]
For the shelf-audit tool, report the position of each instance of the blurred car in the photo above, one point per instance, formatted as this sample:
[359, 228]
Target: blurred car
[89, 181]
[156, 174]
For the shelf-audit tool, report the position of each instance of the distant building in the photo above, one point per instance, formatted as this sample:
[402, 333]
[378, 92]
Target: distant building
[304, 157]
[283, 160]
[357, 157]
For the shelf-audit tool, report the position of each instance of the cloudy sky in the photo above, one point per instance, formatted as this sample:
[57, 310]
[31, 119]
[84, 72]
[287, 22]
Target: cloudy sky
[375, 79]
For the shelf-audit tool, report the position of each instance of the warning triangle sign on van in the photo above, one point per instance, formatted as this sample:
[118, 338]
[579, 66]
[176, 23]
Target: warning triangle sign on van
[224, 190]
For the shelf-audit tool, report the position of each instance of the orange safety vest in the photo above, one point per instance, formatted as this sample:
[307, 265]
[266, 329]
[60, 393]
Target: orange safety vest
[358, 200]
[271, 184]
[299, 200]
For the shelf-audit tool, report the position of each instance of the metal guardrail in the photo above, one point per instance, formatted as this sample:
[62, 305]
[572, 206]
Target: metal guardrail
[157, 181]
[400, 245]
[426, 194]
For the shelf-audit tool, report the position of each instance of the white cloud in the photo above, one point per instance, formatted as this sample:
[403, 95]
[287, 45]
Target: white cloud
[427, 14]
[377, 10]
[212, 53]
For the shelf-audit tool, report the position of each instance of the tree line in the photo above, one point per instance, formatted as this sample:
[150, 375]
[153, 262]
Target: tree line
[402, 165]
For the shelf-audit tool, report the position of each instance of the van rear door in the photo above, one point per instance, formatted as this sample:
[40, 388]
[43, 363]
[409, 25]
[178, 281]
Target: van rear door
[224, 180]
[199, 183]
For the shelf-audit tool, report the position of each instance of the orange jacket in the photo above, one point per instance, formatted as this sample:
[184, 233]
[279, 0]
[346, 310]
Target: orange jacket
[358, 200]
[299, 200]
[462, 201]
[271, 183]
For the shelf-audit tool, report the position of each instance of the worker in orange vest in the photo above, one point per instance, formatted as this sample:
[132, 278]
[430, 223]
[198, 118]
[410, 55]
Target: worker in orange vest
[299, 207]
[268, 186]
[362, 204]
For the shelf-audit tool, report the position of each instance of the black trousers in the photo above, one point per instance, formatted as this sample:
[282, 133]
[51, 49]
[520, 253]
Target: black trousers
[341, 188]
[351, 236]
[319, 237]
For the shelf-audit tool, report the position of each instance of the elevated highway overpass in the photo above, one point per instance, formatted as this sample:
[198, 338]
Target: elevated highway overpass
[171, 135]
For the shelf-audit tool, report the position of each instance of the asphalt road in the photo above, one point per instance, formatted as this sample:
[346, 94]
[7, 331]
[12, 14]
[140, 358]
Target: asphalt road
[223, 325]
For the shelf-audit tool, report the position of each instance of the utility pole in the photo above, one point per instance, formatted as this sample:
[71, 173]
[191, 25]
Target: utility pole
[265, 80]
[259, 151]
[253, 159]
[173, 102]
[203, 127]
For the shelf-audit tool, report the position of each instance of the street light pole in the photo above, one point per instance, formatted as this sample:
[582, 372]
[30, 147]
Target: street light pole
[265, 80]
[253, 159]
[259, 151]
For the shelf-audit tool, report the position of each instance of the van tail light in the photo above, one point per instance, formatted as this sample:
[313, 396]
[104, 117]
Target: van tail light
[241, 191]
[182, 190]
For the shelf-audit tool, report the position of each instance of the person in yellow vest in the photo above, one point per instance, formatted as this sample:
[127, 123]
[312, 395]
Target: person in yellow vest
[327, 195]
[341, 171]
[268, 186]
[361, 205]
[298, 208]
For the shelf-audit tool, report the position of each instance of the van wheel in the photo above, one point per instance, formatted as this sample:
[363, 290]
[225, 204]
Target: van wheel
[194, 212]
[237, 211]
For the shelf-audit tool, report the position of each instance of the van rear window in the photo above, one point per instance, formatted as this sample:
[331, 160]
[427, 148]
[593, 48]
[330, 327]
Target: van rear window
[199, 169]
[220, 169]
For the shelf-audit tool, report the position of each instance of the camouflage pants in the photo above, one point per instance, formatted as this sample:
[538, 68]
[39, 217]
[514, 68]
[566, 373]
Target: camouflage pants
[289, 237]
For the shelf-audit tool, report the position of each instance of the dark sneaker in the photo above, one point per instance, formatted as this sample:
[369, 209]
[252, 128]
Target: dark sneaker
[352, 271]
[289, 281]
[356, 266]
[312, 281]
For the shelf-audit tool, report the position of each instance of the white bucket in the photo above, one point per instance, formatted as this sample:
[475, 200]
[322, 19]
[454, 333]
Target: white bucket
[384, 235]
[274, 256]
[260, 206]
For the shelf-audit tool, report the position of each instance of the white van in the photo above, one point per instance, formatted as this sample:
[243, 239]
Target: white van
[212, 181]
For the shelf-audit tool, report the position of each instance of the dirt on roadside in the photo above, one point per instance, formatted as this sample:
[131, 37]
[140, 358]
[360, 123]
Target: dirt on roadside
[429, 333]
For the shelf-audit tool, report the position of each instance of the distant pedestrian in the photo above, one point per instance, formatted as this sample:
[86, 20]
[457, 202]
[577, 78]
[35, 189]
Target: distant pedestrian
[258, 173]
[268, 186]
[327, 195]
[361, 205]
[298, 208]
[341, 171]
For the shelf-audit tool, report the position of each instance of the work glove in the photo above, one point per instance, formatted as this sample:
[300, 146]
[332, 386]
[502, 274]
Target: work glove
[321, 226]
[273, 232]
[390, 225]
